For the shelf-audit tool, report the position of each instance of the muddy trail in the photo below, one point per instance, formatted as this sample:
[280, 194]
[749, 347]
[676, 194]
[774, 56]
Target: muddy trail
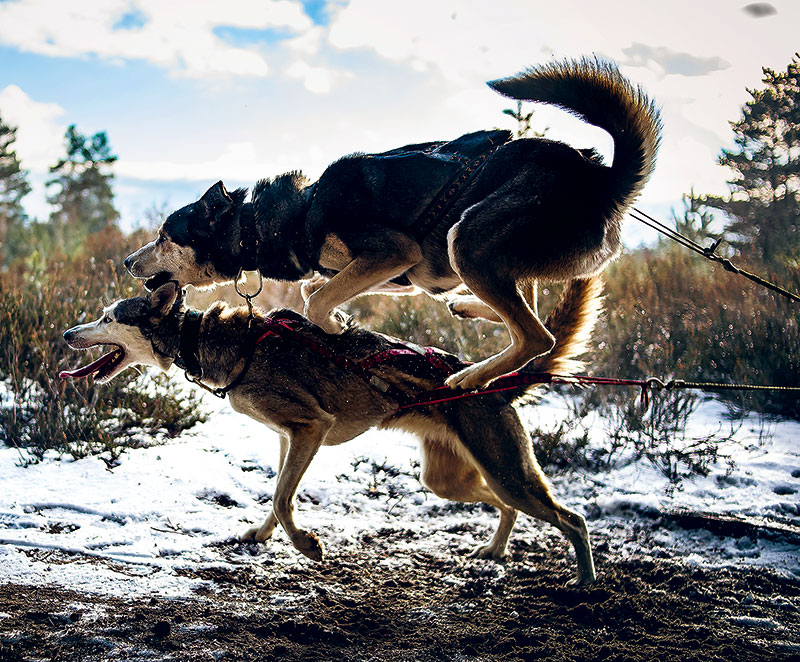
[373, 604]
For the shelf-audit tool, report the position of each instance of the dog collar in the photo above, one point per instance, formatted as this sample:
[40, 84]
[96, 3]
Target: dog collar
[187, 358]
[248, 256]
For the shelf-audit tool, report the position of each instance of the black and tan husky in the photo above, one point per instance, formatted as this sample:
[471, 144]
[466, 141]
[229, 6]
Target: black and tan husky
[483, 211]
[473, 449]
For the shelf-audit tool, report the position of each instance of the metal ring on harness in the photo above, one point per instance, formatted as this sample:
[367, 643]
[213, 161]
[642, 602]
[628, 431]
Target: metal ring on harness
[248, 297]
[245, 295]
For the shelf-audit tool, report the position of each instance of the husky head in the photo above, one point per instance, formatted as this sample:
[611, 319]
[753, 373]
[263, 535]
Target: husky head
[130, 327]
[195, 244]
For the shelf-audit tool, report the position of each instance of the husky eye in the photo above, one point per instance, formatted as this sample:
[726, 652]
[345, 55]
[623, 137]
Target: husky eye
[162, 239]
[106, 320]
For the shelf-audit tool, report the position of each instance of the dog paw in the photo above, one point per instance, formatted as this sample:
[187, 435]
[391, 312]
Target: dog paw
[311, 285]
[331, 325]
[331, 322]
[343, 319]
[470, 307]
[257, 534]
[308, 544]
[580, 582]
[467, 379]
[459, 307]
[488, 552]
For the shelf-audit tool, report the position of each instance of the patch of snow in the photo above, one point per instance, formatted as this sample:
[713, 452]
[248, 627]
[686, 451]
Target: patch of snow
[145, 526]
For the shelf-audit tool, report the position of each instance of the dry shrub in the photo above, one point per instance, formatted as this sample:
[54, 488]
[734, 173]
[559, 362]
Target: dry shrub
[39, 411]
[674, 315]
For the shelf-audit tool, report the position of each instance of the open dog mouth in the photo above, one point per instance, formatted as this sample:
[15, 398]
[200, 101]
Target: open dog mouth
[101, 367]
[153, 283]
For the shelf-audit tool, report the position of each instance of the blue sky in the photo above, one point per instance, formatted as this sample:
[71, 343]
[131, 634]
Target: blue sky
[191, 92]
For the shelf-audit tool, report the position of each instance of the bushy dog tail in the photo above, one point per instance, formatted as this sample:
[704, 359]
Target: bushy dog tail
[598, 93]
[571, 322]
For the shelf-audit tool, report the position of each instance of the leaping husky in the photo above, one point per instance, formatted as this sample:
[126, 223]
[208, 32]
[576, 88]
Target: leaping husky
[484, 211]
[473, 449]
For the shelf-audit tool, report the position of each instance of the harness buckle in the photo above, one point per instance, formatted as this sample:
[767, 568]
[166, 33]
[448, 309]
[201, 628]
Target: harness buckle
[380, 384]
[219, 392]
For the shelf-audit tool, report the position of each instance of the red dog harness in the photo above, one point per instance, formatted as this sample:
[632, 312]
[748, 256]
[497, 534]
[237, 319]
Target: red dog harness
[286, 328]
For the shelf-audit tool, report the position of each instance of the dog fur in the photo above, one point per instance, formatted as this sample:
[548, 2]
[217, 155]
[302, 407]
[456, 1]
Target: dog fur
[473, 449]
[536, 210]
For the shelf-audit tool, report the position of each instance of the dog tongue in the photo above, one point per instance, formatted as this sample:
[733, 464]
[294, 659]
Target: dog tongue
[86, 370]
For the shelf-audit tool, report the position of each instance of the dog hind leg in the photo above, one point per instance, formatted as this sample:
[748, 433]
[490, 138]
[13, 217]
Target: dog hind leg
[452, 477]
[471, 307]
[482, 268]
[530, 292]
[529, 337]
[502, 451]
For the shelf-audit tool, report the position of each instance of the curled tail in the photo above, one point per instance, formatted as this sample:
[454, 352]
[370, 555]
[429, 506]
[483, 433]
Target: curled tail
[599, 94]
[571, 322]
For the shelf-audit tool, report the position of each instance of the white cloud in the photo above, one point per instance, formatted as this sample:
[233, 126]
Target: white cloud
[318, 80]
[178, 35]
[464, 40]
[40, 130]
[238, 161]
[39, 144]
[697, 74]
[307, 43]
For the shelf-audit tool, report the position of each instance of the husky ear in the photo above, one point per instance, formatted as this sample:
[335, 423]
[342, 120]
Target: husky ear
[218, 202]
[217, 197]
[163, 298]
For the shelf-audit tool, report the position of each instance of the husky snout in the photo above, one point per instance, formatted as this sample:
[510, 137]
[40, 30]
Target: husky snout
[69, 336]
[137, 263]
[76, 337]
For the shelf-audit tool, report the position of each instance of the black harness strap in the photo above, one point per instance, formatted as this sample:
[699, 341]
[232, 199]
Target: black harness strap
[248, 242]
[187, 358]
[443, 202]
[189, 361]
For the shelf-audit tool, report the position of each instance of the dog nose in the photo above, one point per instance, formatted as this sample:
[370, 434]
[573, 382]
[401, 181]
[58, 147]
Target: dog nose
[128, 262]
[68, 334]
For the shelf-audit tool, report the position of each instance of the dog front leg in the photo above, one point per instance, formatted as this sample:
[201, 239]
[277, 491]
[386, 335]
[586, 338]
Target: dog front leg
[529, 337]
[306, 438]
[394, 254]
[264, 532]
[311, 285]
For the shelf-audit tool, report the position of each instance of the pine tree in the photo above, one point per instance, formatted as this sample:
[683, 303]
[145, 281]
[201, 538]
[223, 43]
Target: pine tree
[764, 204]
[695, 222]
[13, 187]
[524, 122]
[84, 202]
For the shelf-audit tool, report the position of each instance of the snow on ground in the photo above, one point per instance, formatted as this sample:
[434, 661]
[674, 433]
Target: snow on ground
[131, 530]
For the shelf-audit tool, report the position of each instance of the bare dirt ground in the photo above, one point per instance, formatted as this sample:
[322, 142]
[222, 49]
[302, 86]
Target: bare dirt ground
[375, 605]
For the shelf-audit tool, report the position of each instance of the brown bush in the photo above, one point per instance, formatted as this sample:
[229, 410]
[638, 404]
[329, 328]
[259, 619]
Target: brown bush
[39, 411]
[672, 314]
